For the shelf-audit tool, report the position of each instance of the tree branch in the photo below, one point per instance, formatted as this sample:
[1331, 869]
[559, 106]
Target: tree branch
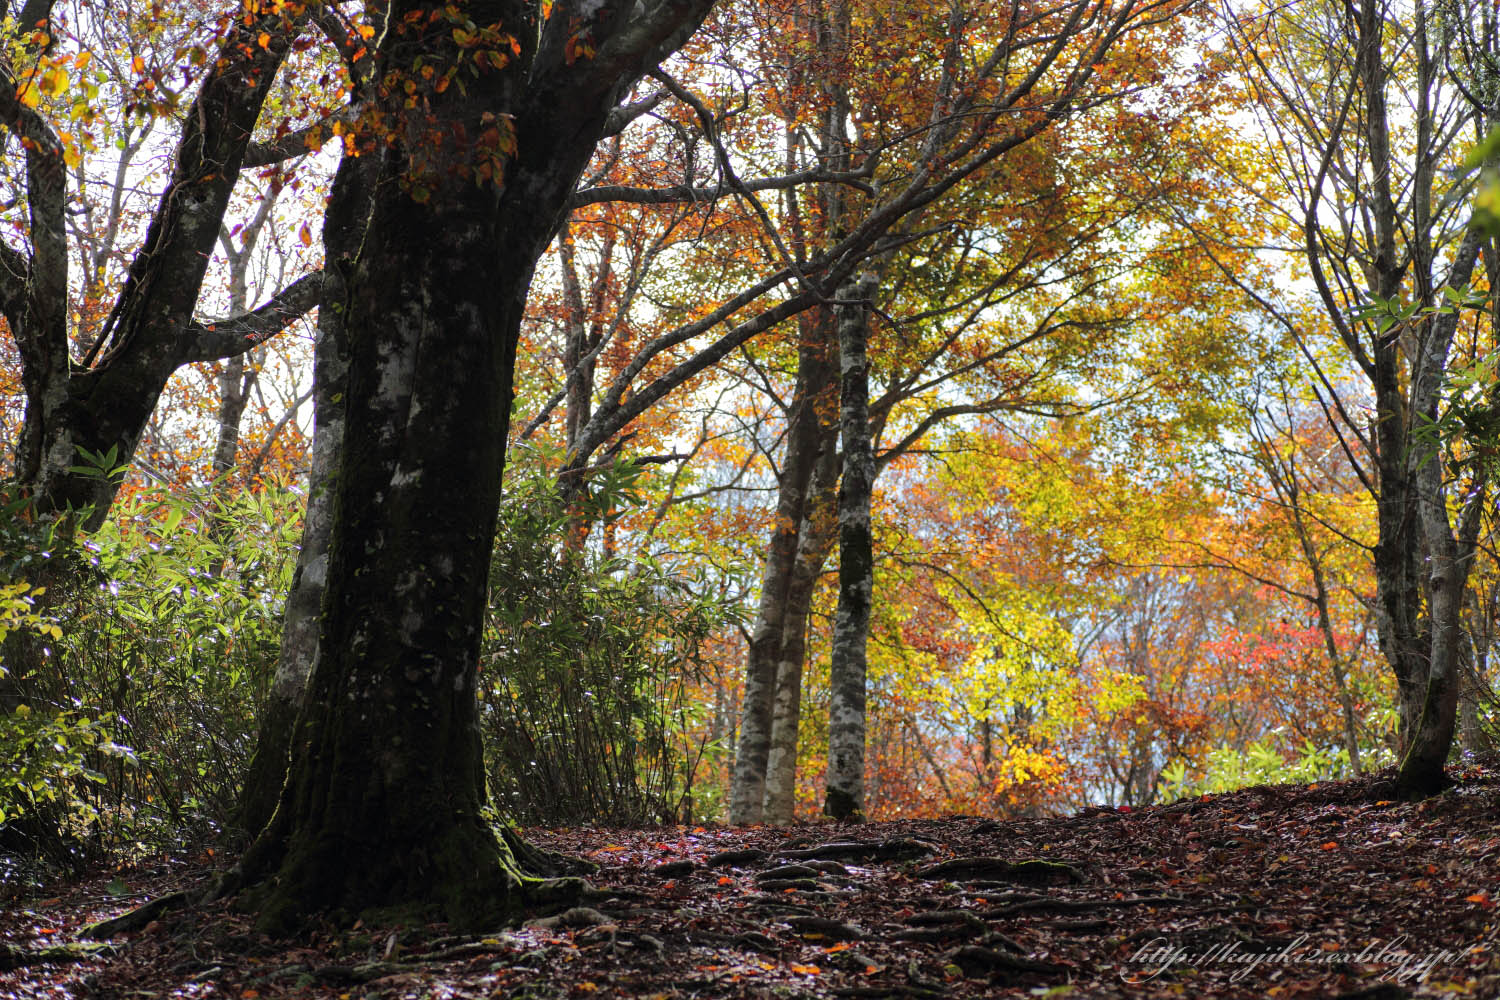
[14, 267]
[308, 139]
[620, 118]
[678, 193]
[224, 338]
[154, 309]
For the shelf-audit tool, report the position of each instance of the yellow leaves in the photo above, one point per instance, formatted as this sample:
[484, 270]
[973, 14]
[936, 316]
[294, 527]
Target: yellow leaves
[264, 41]
[72, 155]
[53, 82]
[137, 65]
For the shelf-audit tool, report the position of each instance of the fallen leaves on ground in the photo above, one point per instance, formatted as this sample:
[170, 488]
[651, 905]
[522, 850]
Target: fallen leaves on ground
[1320, 892]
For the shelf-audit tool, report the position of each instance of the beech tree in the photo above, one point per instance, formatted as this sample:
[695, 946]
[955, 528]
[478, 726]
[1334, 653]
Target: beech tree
[485, 114]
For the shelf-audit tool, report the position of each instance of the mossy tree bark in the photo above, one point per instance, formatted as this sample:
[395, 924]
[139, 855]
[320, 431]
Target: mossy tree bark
[344, 225]
[384, 803]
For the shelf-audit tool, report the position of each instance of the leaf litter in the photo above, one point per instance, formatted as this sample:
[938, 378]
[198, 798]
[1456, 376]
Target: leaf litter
[1324, 891]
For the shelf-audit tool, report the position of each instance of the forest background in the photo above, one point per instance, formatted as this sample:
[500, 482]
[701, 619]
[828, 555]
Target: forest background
[1176, 317]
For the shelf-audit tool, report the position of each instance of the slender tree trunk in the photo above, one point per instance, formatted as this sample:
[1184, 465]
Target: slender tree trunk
[1449, 554]
[1291, 492]
[238, 378]
[846, 712]
[815, 540]
[748, 787]
[1471, 730]
[774, 671]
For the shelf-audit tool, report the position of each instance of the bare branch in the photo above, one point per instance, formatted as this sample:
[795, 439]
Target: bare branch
[620, 118]
[857, 179]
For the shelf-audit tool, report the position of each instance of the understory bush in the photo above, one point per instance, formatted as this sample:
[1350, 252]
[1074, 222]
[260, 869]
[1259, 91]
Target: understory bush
[140, 719]
[587, 665]
[1263, 763]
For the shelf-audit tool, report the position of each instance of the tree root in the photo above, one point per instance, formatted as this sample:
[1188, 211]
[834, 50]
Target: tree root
[972, 958]
[1033, 871]
[134, 920]
[889, 850]
[12, 957]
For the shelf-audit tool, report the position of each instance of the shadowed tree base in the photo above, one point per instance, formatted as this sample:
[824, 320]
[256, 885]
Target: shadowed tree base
[1423, 772]
[267, 767]
[841, 806]
[469, 875]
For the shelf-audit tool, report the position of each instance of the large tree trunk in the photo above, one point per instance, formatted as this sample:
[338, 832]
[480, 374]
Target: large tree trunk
[851, 629]
[385, 802]
[343, 227]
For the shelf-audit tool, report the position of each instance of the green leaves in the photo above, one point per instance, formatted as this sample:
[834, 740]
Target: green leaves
[101, 464]
[589, 662]
[43, 757]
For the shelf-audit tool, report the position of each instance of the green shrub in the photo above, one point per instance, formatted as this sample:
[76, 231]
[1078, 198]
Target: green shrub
[1261, 763]
[168, 644]
[587, 666]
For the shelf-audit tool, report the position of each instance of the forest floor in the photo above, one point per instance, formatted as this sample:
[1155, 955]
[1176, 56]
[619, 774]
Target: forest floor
[1325, 891]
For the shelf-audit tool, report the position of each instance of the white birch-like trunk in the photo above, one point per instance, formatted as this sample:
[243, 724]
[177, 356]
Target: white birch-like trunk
[846, 711]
